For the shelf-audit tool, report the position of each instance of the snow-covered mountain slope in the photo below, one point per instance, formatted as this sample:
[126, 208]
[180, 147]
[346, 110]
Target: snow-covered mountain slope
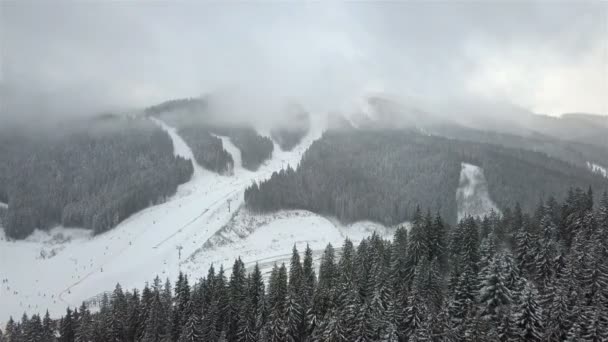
[472, 197]
[595, 168]
[269, 239]
[50, 271]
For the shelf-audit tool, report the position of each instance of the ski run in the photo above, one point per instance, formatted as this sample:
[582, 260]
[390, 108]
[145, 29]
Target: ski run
[204, 223]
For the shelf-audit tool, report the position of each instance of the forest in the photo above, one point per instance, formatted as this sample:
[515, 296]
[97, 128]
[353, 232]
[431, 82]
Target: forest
[383, 175]
[538, 276]
[200, 126]
[573, 152]
[93, 174]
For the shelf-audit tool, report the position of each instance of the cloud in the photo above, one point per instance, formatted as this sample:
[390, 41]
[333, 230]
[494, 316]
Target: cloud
[77, 58]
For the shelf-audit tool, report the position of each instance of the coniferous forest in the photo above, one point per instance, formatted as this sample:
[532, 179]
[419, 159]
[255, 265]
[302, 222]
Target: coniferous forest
[383, 175]
[536, 276]
[93, 176]
[200, 126]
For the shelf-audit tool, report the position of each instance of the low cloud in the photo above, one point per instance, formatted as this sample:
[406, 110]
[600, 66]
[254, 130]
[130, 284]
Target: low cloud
[71, 59]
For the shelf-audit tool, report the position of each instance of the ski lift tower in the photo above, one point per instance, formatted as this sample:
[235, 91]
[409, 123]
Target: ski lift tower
[179, 251]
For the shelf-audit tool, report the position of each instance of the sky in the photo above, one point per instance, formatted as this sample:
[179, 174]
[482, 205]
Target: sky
[75, 58]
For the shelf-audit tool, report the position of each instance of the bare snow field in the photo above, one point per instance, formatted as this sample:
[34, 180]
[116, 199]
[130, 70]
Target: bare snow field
[472, 195]
[596, 168]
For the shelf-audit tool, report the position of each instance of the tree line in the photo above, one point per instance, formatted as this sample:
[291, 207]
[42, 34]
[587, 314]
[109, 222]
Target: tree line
[538, 276]
[198, 124]
[382, 175]
[88, 176]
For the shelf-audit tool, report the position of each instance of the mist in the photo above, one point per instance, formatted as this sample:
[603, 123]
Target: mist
[65, 60]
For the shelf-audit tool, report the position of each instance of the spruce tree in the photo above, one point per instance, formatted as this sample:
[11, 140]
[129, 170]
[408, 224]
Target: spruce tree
[494, 295]
[528, 316]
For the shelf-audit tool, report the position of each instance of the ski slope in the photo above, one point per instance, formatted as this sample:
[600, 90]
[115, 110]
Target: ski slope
[268, 239]
[66, 266]
[472, 197]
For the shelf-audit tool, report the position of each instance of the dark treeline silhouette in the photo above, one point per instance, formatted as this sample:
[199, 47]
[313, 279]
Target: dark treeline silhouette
[537, 276]
[199, 125]
[255, 149]
[208, 150]
[571, 151]
[92, 177]
[383, 175]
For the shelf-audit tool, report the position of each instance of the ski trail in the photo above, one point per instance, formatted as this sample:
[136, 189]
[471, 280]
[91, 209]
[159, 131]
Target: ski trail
[472, 197]
[153, 241]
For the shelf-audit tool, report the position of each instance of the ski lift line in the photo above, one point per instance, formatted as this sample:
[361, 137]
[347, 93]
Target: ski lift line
[193, 220]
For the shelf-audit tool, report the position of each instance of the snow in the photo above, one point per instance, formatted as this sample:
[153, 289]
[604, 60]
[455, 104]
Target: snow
[596, 168]
[67, 266]
[472, 197]
[3, 205]
[268, 239]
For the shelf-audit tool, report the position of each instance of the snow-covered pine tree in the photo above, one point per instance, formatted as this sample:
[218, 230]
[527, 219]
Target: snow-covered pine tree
[237, 295]
[84, 333]
[328, 274]
[418, 247]
[190, 332]
[494, 296]
[66, 327]
[48, 328]
[528, 316]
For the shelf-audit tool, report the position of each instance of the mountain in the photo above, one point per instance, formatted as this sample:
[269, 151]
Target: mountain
[175, 187]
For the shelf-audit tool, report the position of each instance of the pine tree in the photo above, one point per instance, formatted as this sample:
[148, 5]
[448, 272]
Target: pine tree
[470, 244]
[48, 328]
[11, 333]
[190, 331]
[328, 275]
[155, 326]
[418, 245]
[118, 316]
[494, 294]
[464, 294]
[84, 333]
[66, 329]
[133, 314]
[293, 318]
[237, 295]
[528, 315]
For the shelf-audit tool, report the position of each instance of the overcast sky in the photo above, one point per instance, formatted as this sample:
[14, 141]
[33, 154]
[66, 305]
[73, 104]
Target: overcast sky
[87, 57]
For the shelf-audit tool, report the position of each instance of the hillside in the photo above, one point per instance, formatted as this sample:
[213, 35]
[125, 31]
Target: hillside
[383, 175]
[91, 175]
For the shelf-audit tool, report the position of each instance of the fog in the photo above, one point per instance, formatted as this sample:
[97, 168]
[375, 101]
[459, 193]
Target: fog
[74, 59]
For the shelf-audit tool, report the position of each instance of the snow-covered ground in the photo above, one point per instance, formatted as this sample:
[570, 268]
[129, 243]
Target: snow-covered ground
[268, 239]
[66, 266]
[472, 195]
[596, 168]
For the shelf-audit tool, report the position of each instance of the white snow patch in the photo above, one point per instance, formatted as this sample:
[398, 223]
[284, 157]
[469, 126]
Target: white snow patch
[3, 205]
[151, 242]
[472, 197]
[268, 239]
[596, 168]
